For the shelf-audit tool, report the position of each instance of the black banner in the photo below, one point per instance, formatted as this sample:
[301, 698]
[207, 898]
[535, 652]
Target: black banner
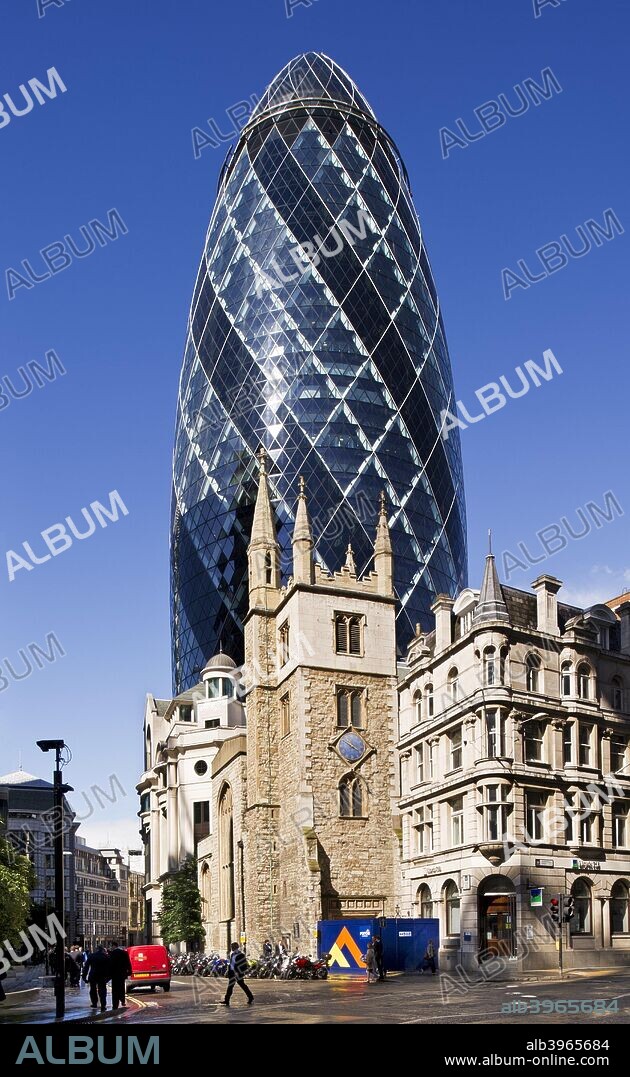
[451, 1049]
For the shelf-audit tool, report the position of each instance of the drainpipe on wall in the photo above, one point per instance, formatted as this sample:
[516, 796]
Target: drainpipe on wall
[241, 860]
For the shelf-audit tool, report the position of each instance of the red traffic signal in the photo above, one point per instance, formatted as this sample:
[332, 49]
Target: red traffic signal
[554, 906]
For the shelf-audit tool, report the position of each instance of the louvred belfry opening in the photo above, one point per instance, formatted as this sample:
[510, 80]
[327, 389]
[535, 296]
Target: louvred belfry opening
[341, 629]
[315, 331]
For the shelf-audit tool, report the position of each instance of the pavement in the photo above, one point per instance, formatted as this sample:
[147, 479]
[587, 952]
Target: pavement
[593, 998]
[36, 1006]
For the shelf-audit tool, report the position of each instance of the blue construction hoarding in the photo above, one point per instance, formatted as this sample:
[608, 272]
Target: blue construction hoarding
[404, 942]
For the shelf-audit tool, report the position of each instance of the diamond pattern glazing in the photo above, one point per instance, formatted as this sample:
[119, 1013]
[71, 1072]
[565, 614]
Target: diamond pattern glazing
[315, 330]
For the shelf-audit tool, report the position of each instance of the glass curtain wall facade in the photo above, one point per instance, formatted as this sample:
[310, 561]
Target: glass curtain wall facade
[314, 330]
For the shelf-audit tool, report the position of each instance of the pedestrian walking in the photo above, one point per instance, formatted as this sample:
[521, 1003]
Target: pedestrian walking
[429, 958]
[236, 974]
[267, 948]
[121, 969]
[97, 972]
[69, 967]
[76, 964]
[378, 954]
[370, 963]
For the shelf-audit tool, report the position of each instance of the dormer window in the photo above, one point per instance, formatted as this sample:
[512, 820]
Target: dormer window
[348, 634]
[185, 713]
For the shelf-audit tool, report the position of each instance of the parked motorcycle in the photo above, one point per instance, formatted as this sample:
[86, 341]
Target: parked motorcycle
[319, 970]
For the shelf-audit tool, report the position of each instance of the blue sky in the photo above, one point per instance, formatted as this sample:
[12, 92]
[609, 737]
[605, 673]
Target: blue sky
[139, 77]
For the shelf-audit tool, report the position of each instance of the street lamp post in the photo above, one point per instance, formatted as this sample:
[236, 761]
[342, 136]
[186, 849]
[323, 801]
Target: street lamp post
[59, 789]
[46, 958]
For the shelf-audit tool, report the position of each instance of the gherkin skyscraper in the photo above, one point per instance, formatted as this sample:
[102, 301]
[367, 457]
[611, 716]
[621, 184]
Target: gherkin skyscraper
[314, 330]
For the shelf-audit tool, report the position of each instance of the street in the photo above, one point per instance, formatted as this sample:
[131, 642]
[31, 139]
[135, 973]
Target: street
[399, 1000]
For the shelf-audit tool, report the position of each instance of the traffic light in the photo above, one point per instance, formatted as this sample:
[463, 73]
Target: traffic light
[554, 905]
[568, 908]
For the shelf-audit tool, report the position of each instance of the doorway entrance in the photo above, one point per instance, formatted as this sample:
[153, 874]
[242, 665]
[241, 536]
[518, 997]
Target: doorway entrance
[497, 918]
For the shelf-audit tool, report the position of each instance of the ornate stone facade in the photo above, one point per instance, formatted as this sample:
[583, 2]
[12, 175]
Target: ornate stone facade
[492, 763]
[514, 745]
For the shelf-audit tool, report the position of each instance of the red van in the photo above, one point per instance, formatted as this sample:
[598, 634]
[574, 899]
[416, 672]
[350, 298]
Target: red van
[150, 967]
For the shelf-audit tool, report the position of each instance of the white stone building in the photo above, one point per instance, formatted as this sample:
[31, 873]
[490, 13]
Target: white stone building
[181, 738]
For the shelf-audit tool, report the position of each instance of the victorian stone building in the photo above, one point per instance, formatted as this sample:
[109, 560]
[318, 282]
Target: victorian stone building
[102, 895]
[514, 725]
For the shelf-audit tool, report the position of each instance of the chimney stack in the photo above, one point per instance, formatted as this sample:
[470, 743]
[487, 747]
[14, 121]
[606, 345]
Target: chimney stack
[546, 588]
[443, 610]
[624, 612]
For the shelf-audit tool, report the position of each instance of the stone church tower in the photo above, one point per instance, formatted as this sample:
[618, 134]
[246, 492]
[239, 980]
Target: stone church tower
[321, 730]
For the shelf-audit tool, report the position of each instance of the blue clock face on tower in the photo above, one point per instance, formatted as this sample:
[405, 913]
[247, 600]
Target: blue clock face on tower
[351, 746]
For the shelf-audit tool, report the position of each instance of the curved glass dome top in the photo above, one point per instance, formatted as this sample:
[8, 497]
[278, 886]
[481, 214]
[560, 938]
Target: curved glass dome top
[312, 76]
[315, 330]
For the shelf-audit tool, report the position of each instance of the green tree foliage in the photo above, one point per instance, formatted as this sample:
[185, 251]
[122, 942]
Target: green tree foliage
[17, 879]
[180, 918]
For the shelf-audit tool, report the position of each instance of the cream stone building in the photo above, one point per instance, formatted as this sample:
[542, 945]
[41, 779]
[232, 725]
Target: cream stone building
[514, 727]
[472, 782]
[182, 736]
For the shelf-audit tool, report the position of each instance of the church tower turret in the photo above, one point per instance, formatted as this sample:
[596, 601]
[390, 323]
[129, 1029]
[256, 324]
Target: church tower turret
[383, 555]
[303, 568]
[263, 552]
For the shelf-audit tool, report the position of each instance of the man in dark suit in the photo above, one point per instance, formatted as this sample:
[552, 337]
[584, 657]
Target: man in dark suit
[121, 969]
[236, 975]
[97, 971]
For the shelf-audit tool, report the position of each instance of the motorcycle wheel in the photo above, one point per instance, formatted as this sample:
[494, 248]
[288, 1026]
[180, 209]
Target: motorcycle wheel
[322, 974]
